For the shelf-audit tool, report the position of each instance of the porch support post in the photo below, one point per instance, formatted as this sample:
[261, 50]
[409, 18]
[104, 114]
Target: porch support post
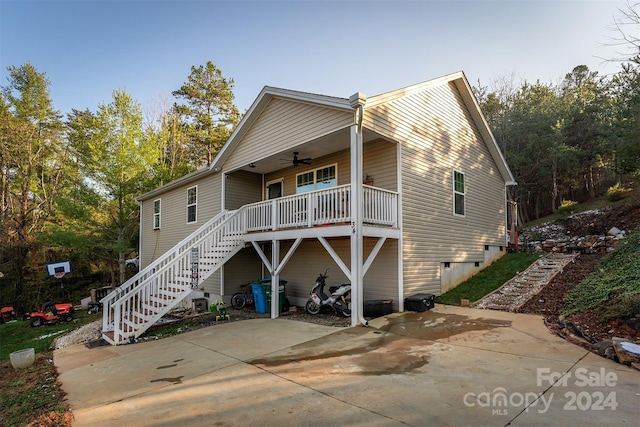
[275, 278]
[357, 102]
[400, 242]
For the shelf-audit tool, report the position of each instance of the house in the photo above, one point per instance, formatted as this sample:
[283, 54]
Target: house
[398, 194]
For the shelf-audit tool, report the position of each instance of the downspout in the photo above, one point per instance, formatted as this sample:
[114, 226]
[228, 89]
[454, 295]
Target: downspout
[357, 102]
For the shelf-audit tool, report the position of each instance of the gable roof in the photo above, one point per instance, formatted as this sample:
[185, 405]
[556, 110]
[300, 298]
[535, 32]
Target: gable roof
[185, 179]
[258, 106]
[462, 84]
[269, 92]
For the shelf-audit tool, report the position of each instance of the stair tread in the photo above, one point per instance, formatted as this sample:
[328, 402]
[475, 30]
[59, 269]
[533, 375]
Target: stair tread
[173, 289]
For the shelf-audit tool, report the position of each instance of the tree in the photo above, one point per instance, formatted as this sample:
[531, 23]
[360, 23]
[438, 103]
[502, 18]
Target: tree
[626, 26]
[583, 97]
[624, 90]
[32, 165]
[116, 157]
[165, 126]
[536, 147]
[208, 111]
[496, 102]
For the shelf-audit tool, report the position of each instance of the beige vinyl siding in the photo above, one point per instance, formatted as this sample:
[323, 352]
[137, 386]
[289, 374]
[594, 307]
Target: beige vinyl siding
[311, 259]
[289, 174]
[285, 124]
[242, 188]
[445, 139]
[245, 267]
[173, 216]
[379, 162]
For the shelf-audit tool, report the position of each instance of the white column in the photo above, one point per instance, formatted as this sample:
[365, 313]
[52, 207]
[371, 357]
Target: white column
[275, 278]
[400, 241]
[356, 225]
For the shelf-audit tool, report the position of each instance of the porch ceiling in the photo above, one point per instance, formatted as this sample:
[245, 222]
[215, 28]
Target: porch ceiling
[325, 145]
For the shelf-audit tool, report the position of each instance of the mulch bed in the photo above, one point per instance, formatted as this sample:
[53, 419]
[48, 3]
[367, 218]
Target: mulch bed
[549, 303]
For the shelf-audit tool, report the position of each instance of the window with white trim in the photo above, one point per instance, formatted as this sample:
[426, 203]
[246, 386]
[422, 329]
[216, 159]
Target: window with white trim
[192, 204]
[458, 193]
[317, 179]
[156, 214]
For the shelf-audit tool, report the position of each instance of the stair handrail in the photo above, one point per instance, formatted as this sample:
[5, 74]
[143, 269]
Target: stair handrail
[154, 264]
[165, 267]
[152, 268]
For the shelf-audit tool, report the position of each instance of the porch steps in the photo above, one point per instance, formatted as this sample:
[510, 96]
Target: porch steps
[144, 299]
[517, 291]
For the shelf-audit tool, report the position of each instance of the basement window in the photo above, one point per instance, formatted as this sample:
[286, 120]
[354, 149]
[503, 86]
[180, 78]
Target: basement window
[447, 265]
[156, 214]
[458, 193]
[192, 204]
[477, 264]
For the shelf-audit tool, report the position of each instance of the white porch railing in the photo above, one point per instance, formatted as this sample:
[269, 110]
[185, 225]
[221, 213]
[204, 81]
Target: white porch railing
[141, 301]
[330, 206]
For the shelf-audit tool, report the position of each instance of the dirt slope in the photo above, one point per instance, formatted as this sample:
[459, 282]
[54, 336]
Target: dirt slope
[549, 302]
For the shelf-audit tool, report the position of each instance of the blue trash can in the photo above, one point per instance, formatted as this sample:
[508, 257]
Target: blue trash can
[259, 298]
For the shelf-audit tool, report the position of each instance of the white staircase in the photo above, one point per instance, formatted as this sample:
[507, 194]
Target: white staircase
[130, 309]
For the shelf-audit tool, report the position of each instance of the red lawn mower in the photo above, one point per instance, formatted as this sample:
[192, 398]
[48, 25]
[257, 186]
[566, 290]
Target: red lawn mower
[7, 314]
[51, 314]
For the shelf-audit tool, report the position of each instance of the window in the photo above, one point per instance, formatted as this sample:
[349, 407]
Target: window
[156, 214]
[458, 193]
[317, 179]
[192, 203]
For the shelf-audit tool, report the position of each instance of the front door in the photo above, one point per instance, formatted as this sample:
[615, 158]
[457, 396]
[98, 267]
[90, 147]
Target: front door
[274, 189]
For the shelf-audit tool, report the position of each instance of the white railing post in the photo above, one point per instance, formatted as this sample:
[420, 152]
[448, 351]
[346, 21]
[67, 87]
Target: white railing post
[310, 210]
[274, 214]
[394, 206]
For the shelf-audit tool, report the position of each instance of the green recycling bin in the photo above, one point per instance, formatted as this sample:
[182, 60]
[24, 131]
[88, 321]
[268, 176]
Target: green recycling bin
[266, 288]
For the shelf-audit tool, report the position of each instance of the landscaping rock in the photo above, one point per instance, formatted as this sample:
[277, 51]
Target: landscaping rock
[605, 349]
[614, 231]
[628, 352]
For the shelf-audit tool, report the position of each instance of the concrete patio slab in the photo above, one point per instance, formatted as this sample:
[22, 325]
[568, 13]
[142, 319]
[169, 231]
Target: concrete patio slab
[448, 366]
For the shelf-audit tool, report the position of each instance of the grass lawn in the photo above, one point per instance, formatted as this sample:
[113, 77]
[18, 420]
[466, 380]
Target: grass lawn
[33, 394]
[19, 335]
[490, 278]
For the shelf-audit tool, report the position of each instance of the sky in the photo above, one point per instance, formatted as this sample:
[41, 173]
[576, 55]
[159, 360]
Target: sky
[90, 48]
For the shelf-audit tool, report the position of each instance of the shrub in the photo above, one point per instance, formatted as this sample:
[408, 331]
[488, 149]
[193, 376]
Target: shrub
[624, 306]
[567, 206]
[617, 192]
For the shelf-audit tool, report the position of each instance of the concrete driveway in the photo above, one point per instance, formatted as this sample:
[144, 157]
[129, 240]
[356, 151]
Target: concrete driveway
[447, 367]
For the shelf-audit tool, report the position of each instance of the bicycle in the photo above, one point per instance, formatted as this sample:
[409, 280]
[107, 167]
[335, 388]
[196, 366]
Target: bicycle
[241, 299]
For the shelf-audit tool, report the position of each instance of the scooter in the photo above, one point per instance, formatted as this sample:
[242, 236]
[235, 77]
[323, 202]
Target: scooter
[339, 300]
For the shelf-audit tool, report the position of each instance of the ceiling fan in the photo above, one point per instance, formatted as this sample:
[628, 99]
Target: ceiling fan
[296, 161]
